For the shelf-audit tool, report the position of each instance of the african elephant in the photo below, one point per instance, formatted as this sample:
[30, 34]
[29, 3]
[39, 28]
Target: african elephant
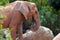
[17, 12]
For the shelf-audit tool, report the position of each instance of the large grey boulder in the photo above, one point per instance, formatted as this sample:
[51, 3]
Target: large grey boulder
[57, 37]
[42, 33]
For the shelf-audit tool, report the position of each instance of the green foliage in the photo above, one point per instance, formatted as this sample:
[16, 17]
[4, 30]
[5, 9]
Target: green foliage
[29, 23]
[55, 4]
[8, 36]
[11, 1]
[1, 32]
[3, 2]
[1, 17]
[47, 16]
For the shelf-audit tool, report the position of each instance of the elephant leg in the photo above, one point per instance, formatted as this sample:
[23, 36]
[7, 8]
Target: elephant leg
[20, 32]
[13, 34]
[13, 23]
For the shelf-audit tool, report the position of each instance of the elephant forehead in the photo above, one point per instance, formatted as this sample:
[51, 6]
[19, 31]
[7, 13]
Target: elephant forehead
[32, 7]
[23, 8]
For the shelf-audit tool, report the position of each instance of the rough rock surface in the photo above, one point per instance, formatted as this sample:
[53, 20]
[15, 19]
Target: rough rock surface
[57, 37]
[43, 33]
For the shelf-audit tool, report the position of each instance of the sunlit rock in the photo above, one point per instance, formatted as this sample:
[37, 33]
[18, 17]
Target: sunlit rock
[43, 33]
[57, 37]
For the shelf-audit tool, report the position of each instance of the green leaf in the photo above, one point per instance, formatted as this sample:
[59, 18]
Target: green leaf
[1, 17]
[29, 23]
[1, 27]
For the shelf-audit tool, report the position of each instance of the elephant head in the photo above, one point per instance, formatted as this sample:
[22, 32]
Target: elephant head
[35, 16]
[30, 12]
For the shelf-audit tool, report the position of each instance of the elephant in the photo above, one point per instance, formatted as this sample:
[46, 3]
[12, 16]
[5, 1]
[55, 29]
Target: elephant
[16, 12]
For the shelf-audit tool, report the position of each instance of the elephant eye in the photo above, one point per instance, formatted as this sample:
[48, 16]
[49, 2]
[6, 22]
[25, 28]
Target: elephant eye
[35, 12]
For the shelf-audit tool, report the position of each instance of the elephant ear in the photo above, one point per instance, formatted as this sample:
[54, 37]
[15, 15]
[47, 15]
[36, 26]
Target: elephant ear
[24, 10]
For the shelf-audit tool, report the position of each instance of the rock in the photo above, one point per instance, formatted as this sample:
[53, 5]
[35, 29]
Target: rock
[57, 37]
[42, 33]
